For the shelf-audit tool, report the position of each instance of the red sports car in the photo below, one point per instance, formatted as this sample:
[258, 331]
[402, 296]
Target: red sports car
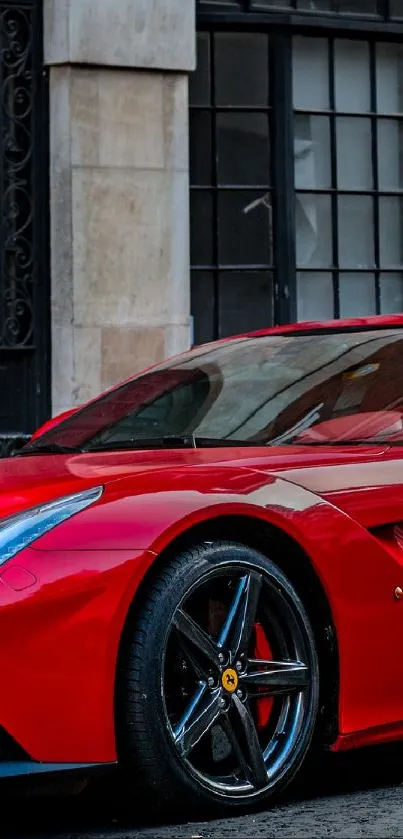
[201, 571]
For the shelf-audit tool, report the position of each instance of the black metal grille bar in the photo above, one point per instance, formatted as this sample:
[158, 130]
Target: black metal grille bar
[17, 80]
[24, 213]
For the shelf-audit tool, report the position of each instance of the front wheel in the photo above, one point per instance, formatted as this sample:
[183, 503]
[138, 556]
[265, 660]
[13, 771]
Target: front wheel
[220, 681]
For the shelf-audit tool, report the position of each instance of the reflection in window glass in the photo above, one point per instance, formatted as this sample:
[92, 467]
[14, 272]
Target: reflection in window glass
[352, 76]
[268, 390]
[391, 292]
[311, 73]
[312, 152]
[199, 81]
[354, 153]
[201, 210]
[389, 77]
[356, 231]
[391, 231]
[390, 154]
[200, 148]
[357, 295]
[246, 297]
[243, 148]
[202, 302]
[248, 51]
[314, 295]
[244, 228]
[313, 223]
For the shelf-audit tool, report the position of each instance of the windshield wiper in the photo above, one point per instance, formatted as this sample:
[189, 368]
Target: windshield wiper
[168, 441]
[47, 448]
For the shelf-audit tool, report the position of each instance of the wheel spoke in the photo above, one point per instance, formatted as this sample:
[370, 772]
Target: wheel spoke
[241, 732]
[200, 715]
[276, 677]
[237, 630]
[203, 647]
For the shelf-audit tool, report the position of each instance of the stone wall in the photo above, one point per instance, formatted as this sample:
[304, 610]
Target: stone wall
[119, 188]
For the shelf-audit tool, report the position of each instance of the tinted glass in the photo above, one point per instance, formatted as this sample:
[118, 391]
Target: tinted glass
[278, 389]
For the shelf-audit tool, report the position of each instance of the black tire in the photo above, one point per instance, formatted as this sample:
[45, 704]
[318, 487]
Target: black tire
[163, 671]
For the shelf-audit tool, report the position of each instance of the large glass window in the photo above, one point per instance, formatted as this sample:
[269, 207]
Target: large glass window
[348, 157]
[296, 164]
[230, 201]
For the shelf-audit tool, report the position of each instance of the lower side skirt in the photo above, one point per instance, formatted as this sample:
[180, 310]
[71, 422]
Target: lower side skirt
[19, 768]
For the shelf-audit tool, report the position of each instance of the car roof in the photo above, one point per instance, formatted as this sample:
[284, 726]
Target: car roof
[341, 325]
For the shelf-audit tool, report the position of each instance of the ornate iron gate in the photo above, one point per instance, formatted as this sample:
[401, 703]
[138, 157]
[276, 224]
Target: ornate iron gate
[24, 288]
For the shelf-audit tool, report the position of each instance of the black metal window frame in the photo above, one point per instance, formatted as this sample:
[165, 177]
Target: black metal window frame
[255, 13]
[280, 27]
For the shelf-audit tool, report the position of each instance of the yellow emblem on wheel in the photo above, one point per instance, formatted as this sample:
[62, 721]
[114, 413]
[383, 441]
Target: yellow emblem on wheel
[229, 680]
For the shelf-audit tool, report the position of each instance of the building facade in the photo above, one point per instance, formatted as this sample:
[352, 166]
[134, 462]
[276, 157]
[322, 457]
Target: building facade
[176, 172]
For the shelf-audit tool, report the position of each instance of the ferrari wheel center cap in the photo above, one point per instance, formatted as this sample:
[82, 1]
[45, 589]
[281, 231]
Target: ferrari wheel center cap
[229, 680]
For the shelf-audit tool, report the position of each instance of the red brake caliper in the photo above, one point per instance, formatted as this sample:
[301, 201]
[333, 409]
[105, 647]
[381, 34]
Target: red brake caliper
[263, 651]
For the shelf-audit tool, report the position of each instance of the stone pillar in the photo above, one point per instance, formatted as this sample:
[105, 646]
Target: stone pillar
[119, 187]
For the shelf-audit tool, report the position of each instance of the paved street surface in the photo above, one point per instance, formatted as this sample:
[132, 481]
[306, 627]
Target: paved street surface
[345, 796]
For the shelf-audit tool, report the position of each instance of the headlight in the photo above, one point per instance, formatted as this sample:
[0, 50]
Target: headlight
[17, 532]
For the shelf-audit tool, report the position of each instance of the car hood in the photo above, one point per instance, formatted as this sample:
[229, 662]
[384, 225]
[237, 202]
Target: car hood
[28, 481]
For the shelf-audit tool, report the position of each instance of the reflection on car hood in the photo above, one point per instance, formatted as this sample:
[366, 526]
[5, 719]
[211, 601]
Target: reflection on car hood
[25, 482]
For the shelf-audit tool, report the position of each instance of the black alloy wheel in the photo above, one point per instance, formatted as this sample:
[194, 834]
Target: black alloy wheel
[220, 681]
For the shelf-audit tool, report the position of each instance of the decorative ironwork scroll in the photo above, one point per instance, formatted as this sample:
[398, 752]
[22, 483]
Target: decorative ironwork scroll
[17, 82]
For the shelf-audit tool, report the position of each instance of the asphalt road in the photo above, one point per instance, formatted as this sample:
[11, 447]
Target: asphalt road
[354, 795]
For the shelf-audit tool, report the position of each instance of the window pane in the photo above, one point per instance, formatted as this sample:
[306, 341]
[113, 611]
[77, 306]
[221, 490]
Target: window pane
[310, 73]
[391, 231]
[390, 154]
[200, 148]
[354, 153]
[199, 81]
[245, 228]
[246, 301]
[242, 68]
[313, 221]
[201, 228]
[314, 296]
[352, 76]
[202, 306]
[391, 293]
[243, 149]
[312, 152]
[356, 231]
[389, 75]
[357, 295]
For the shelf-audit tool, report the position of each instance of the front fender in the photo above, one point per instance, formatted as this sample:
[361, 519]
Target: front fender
[357, 574]
[145, 514]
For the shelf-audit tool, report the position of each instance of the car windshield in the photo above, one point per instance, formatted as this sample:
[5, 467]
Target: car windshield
[308, 389]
